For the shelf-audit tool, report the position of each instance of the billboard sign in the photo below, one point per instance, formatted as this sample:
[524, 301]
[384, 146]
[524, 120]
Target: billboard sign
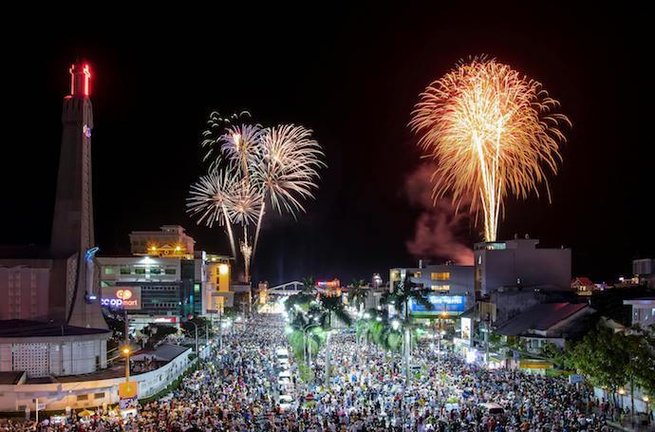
[327, 284]
[466, 329]
[440, 304]
[121, 297]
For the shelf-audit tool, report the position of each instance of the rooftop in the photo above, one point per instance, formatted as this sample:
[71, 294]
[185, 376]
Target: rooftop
[117, 370]
[583, 281]
[16, 328]
[10, 378]
[24, 252]
[540, 317]
[164, 352]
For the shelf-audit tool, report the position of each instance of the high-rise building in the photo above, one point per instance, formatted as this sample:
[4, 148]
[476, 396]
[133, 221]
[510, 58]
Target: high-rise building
[72, 242]
[53, 324]
[520, 262]
[644, 270]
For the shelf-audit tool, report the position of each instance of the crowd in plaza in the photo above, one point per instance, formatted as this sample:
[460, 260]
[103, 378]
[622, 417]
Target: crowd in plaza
[236, 389]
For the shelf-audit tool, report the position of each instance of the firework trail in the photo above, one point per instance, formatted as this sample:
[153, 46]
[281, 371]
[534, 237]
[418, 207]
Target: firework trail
[209, 200]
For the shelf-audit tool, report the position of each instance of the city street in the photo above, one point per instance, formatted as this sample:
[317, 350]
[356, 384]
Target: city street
[238, 390]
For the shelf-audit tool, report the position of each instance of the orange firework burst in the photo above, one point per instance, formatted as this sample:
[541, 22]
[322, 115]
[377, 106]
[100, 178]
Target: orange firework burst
[492, 133]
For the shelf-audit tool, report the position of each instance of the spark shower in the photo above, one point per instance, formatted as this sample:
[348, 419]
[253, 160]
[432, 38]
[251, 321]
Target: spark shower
[492, 133]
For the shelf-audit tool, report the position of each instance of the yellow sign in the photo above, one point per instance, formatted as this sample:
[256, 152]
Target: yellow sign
[127, 390]
[535, 364]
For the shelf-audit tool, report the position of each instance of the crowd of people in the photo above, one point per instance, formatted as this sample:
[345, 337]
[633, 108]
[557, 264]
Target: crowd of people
[235, 389]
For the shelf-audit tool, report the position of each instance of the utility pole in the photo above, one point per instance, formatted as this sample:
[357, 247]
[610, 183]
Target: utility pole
[220, 327]
[127, 327]
[407, 346]
[486, 341]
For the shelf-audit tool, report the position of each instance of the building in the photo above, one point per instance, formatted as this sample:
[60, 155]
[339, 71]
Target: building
[18, 392]
[547, 323]
[450, 286]
[25, 284]
[520, 262]
[643, 311]
[171, 240]
[55, 293]
[43, 349]
[168, 287]
[583, 286]
[644, 270]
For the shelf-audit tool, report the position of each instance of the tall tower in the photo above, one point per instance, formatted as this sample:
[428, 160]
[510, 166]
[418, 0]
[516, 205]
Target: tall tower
[72, 226]
[73, 282]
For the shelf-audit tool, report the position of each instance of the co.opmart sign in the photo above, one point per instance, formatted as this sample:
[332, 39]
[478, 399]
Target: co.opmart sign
[121, 297]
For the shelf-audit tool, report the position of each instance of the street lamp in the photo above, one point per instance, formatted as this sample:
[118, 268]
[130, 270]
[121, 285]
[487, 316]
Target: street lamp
[126, 351]
[308, 346]
[646, 399]
[196, 329]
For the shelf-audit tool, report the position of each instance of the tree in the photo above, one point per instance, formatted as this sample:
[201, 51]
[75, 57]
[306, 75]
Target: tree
[306, 335]
[308, 285]
[333, 307]
[190, 330]
[400, 297]
[157, 333]
[357, 293]
[116, 323]
[600, 356]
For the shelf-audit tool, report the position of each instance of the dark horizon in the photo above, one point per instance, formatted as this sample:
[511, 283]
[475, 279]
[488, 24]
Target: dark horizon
[351, 75]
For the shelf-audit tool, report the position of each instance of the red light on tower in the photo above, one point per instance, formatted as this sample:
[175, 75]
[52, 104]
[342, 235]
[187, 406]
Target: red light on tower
[80, 76]
[87, 77]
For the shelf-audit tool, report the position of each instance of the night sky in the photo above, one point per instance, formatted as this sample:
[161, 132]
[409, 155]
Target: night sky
[352, 75]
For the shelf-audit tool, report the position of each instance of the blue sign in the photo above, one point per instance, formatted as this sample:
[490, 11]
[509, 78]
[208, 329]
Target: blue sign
[574, 379]
[440, 304]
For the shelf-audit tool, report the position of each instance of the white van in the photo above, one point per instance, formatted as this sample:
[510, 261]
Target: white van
[492, 408]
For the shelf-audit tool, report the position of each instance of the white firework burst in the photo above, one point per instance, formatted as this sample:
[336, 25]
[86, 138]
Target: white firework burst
[212, 136]
[288, 166]
[245, 201]
[210, 198]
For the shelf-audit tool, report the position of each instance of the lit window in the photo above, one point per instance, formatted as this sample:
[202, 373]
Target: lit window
[440, 276]
[417, 274]
[109, 270]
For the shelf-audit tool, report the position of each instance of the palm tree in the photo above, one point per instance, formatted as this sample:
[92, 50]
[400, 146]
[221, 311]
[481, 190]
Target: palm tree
[308, 285]
[400, 297]
[306, 330]
[301, 300]
[333, 307]
[357, 293]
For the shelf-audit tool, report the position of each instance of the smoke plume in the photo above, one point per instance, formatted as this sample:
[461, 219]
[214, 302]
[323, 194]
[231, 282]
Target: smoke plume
[438, 226]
